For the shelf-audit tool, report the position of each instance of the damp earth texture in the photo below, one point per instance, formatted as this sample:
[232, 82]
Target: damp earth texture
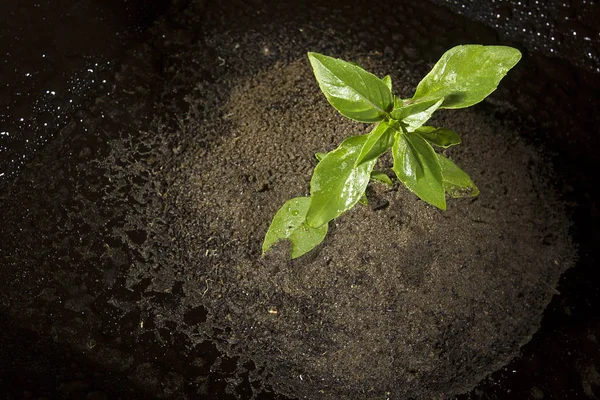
[132, 218]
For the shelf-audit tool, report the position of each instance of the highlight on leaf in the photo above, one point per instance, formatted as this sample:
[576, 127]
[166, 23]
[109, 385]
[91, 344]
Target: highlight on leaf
[417, 167]
[354, 92]
[337, 184]
[463, 76]
[378, 142]
[416, 114]
[290, 224]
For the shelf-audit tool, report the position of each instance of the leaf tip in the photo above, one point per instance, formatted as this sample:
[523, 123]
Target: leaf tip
[438, 203]
[313, 56]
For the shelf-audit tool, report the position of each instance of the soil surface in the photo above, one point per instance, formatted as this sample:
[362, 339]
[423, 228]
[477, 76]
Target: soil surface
[133, 245]
[401, 300]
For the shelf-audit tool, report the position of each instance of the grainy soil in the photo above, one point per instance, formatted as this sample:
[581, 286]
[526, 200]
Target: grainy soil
[401, 298]
[134, 237]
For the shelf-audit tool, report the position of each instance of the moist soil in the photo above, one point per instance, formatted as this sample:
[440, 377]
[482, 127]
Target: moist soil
[401, 300]
[133, 241]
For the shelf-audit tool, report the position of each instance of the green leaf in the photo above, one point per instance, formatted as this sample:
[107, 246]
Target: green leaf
[381, 177]
[465, 75]
[456, 182]
[378, 142]
[319, 156]
[416, 114]
[388, 81]
[417, 166]
[289, 224]
[354, 92]
[363, 200]
[441, 137]
[337, 185]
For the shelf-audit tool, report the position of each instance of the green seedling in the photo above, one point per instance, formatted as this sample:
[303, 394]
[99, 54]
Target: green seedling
[464, 76]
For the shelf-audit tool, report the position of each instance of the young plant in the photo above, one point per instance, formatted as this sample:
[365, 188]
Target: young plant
[464, 76]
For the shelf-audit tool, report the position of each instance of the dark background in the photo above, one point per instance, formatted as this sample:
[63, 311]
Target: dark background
[58, 57]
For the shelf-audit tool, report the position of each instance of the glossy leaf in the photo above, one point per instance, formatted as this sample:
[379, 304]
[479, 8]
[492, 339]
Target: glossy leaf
[381, 177]
[354, 92]
[363, 200]
[289, 224]
[378, 142]
[440, 137]
[319, 156]
[417, 166]
[416, 114]
[456, 182]
[337, 185]
[388, 81]
[466, 74]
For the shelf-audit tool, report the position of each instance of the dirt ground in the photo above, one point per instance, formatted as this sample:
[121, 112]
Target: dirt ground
[132, 245]
[401, 298]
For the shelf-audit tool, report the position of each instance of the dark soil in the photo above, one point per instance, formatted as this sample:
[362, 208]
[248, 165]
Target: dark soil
[58, 57]
[403, 299]
[132, 246]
